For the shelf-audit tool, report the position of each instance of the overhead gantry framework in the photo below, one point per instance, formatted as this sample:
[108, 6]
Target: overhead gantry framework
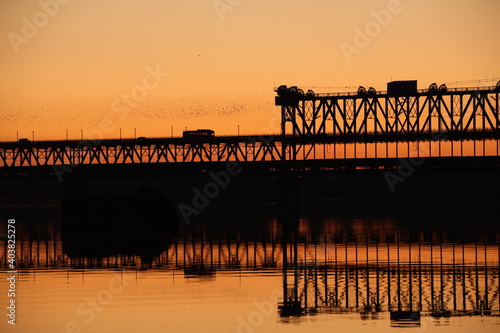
[399, 113]
[392, 123]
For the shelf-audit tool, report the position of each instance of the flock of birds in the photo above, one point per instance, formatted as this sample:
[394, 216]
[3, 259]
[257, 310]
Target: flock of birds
[57, 117]
[83, 114]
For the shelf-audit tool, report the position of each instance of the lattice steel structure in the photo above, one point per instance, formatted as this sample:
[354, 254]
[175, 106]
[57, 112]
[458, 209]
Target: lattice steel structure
[396, 114]
[158, 150]
[325, 130]
[401, 115]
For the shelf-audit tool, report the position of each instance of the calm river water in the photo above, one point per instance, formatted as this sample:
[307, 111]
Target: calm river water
[75, 272]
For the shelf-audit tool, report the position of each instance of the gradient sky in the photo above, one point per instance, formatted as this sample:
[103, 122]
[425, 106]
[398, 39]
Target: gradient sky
[223, 59]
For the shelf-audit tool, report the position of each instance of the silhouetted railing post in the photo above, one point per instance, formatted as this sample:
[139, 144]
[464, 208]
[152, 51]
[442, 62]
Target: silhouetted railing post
[389, 300]
[454, 275]
[486, 300]
[463, 277]
[476, 275]
[431, 265]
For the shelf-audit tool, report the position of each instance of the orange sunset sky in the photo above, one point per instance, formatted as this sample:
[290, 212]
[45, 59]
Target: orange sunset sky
[77, 65]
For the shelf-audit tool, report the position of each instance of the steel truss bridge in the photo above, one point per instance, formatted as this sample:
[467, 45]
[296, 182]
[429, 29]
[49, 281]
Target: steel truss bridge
[318, 131]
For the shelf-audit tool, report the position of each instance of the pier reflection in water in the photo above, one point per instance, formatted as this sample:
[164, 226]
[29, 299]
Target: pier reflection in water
[395, 271]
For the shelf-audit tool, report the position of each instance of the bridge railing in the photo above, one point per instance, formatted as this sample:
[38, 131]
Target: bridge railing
[419, 91]
[250, 138]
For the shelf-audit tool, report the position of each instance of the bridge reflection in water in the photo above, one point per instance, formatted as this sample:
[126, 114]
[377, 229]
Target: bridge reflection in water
[409, 275]
[376, 268]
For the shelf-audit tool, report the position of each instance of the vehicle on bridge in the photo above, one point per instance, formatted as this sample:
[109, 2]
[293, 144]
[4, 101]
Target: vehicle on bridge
[200, 133]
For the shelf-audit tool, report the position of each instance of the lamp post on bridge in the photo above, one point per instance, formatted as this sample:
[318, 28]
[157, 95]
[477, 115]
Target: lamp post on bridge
[32, 135]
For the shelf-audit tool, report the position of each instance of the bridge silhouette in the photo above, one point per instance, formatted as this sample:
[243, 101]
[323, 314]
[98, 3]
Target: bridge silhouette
[319, 132]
